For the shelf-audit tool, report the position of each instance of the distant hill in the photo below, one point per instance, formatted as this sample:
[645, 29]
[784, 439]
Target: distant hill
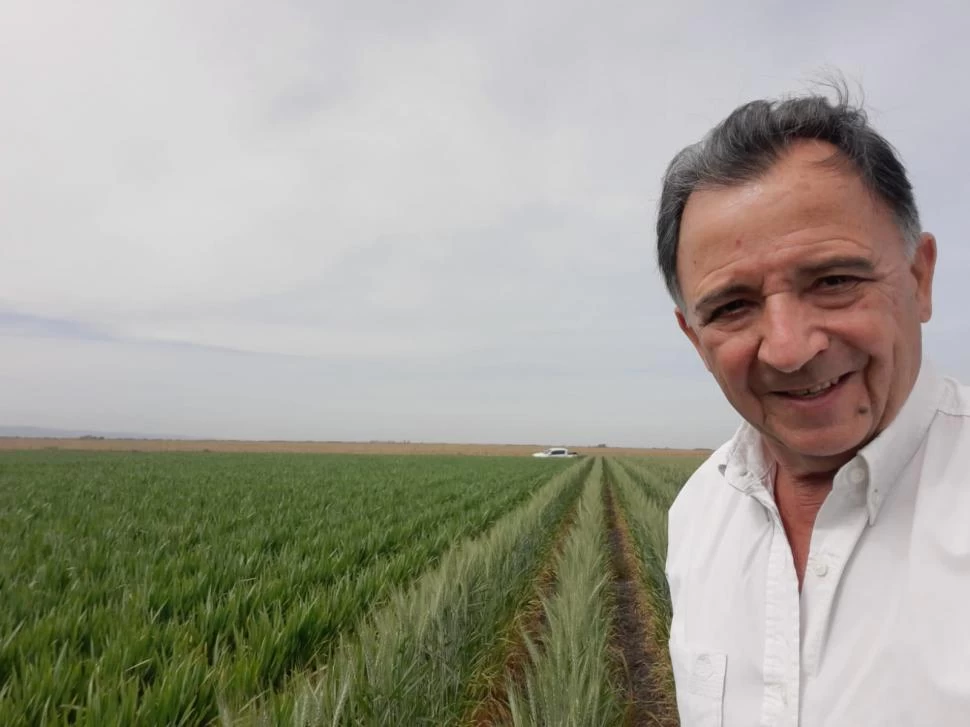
[53, 433]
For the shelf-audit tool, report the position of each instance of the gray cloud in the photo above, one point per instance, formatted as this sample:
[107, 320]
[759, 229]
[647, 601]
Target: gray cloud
[418, 221]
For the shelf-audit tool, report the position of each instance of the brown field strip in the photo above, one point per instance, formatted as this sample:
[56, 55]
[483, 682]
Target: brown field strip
[646, 702]
[228, 445]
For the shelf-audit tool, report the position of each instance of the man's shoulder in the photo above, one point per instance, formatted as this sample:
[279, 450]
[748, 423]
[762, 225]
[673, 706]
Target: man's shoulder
[702, 490]
[955, 401]
[696, 516]
[947, 440]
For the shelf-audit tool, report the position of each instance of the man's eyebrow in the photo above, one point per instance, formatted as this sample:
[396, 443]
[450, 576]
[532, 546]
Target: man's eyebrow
[847, 263]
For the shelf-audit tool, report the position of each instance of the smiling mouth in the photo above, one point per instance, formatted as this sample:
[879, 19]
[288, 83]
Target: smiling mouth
[814, 391]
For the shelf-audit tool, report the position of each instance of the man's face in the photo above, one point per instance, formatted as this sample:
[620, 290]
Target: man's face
[801, 300]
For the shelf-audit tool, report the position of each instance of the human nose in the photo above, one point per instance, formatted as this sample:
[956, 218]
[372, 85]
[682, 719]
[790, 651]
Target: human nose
[790, 336]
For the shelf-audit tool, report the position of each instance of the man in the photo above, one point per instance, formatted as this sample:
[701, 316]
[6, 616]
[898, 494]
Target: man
[819, 562]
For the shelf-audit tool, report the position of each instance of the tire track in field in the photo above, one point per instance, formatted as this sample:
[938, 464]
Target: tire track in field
[631, 622]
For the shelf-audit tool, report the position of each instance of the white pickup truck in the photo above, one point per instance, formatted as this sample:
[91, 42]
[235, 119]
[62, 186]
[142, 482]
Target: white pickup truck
[556, 452]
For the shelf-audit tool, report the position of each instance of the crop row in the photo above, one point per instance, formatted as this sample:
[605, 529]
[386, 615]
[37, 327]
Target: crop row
[571, 678]
[414, 659]
[586, 666]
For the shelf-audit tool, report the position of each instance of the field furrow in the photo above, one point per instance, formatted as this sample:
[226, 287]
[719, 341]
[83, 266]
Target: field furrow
[413, 661]
[631, 620]
[644, 494]
[569, 679]
[507, 661]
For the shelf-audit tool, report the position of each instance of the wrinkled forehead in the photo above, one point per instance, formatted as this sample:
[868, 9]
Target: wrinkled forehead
[802, 201]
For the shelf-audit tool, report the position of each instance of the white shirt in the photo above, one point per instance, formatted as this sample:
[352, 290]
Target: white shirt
[880, 634]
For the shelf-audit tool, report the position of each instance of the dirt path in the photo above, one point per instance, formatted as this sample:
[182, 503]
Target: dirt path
[631, 626]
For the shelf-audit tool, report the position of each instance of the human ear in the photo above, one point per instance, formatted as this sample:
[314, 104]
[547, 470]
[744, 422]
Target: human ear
[923, 267]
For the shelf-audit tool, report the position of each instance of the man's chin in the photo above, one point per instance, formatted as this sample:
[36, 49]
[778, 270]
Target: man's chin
[821, 445]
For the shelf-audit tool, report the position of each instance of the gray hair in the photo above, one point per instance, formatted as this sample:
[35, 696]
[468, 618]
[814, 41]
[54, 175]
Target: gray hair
[749, 141]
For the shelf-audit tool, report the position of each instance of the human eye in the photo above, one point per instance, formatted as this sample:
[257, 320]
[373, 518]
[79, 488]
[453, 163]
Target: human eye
[728, 311]
[836, 283]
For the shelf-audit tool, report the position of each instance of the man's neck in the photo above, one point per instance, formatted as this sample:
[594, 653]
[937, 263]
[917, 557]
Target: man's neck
[803, 494]
[799, 497]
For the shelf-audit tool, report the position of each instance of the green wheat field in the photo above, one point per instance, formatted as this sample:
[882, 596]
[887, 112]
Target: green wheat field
[257, 588]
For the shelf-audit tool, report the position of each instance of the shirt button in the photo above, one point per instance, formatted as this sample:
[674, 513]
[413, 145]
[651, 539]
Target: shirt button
[821, 569]
[857, 475]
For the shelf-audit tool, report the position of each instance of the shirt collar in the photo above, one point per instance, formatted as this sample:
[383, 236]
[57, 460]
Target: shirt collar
[885, 457]
[877, 465]
[743, 463]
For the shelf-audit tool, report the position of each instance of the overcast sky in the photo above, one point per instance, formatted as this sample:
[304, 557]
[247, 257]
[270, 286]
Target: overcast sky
[405, 220]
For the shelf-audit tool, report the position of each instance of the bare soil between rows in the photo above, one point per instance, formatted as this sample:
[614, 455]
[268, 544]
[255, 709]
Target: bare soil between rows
[631, 624]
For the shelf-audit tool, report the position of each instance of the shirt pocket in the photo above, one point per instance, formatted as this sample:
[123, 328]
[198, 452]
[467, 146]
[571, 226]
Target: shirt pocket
[699, 682]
